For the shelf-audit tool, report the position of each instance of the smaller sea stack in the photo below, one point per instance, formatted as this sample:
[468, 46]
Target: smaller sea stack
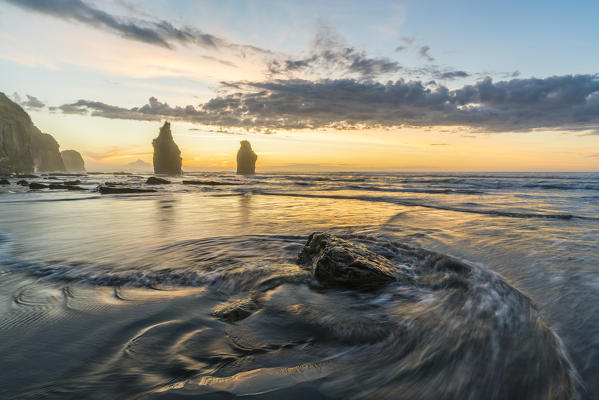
[73, 162]
[167, 156]
[246, 159]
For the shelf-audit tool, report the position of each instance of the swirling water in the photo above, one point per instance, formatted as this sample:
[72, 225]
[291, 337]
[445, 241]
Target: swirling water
[114, 296]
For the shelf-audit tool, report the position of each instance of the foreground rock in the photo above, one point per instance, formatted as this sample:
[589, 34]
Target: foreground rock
[246, 159]
[167, 156]
[156, 181]
[120, 190]
[4, 182]
[337, 262]
[73, 162]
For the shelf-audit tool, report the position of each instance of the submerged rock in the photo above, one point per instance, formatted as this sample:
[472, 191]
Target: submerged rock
[55, 186]
[35, 185]
[23, 182]
[167, 156]
[237, 309]
[73, 162]
[337, 262]
[156, 181]
[246, 159]
[118, 190]
[4, 182]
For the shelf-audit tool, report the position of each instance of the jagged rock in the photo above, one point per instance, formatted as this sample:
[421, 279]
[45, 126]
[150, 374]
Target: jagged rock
[167, 156]
[35, 185]
[23, 182]
[246, 159]
[209, 183]
[4, 182]
[23, 147]
[157, 181]
[73, 162]
[337, 262]
[119, 190]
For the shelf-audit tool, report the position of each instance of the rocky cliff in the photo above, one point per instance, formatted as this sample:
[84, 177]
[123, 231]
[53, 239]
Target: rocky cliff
[167, 156]
[46, 153]
[23, 147]
[73, 162]
[246, 159]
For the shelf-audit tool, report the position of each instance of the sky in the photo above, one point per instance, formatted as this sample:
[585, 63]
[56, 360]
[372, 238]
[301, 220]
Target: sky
[313, 85]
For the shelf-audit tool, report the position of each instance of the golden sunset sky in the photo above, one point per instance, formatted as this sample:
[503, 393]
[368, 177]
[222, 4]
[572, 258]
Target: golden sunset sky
[342, 86]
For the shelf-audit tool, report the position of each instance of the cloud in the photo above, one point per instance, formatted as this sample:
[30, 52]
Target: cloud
[440, 144]
[32, 102]
[156, 32]
[330, 54]
[452, 75]
[559, 102]
[423, 52]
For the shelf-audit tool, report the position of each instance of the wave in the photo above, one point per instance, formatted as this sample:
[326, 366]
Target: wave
[402, 202]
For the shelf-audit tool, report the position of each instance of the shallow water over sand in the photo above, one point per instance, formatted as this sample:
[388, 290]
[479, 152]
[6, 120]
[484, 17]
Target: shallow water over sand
[114, 295]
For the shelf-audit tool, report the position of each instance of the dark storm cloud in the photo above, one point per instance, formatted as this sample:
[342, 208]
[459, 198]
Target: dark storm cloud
[160, 33]
[559, 102]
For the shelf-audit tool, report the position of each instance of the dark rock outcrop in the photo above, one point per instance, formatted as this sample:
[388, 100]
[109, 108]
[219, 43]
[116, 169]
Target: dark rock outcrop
[73, 162]
[157, 181]
[4, 182]
[23, 147]
[337, 262]
[23, 182]
[167, 156]
[35, 185]
[246, 159]
[121, 190]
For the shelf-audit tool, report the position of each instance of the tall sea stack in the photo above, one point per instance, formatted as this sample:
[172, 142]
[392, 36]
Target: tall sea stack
[167, 156]
[246, 159]
[73, 162]
[23, 147]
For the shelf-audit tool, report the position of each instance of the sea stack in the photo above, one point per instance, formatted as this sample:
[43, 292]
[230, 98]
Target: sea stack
[73, 162]
[246, 159]
[167, 156]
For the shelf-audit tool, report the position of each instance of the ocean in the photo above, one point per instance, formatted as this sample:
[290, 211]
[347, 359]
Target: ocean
[122, 295]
